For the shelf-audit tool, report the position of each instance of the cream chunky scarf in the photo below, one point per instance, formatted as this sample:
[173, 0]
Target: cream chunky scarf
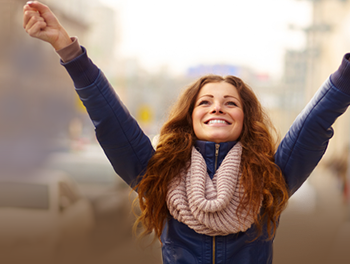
[210, 206]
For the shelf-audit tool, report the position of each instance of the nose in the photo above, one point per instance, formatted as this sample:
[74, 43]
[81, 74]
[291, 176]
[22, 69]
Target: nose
[217, 109]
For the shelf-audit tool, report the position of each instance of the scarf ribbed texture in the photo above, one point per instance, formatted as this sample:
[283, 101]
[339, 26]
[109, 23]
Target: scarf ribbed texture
[209, 206]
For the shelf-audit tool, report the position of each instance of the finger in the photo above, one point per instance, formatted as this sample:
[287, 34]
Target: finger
[32, 21]
[28, 16]
[44, 12]
[36, 29]
[27, 7]
[38, 6]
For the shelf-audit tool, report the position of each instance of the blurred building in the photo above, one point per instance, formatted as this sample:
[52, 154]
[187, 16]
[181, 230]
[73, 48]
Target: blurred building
[148, 96]
[37, 98]
[328, 39]
[103, 37]
[291, 93]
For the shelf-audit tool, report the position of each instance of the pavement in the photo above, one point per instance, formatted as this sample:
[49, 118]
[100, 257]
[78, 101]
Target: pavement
[113, 241]
[315, 227]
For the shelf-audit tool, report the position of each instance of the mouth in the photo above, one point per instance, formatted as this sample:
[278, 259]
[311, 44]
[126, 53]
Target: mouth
[217, 121]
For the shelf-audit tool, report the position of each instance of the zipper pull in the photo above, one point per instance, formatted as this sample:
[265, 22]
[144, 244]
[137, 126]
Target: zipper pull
[217, 146]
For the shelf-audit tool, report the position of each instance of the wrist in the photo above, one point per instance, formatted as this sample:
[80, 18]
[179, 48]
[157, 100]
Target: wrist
[62, 41]
[71, 51]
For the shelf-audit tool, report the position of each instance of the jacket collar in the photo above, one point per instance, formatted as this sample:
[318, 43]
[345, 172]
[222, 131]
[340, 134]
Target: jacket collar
[208, 151]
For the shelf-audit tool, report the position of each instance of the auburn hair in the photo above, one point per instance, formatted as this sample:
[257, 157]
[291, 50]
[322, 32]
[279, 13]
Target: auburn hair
[263, 181]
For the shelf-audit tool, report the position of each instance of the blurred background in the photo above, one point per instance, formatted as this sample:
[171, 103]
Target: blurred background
[61, 202]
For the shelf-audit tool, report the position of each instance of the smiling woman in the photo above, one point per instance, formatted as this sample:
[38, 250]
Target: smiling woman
[212, 115]
[218, 114]
[215, 186]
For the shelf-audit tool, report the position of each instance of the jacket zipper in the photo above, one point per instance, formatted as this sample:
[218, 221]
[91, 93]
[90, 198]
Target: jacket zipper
[213, 249]
[217, 146]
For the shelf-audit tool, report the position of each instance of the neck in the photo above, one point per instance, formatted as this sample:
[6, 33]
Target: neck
[213, 153]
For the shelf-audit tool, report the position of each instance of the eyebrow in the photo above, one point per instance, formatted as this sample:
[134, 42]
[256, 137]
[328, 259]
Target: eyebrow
[225, 96]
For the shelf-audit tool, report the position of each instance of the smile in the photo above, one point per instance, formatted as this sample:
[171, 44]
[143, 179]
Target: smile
[217, 121]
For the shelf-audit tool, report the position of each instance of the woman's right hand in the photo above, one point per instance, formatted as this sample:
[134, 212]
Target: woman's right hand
[39, 22]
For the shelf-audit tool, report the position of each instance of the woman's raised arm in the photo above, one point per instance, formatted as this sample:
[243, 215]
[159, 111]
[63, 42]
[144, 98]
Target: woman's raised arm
[123, 141]
[308, 137]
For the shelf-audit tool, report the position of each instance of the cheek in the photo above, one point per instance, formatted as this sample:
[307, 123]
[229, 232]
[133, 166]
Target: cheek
[196, 116]
[196, 122]
[241, 120]
[239, 117]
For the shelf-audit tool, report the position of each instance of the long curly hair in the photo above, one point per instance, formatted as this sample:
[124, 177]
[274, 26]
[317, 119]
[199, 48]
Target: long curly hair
[261, 178]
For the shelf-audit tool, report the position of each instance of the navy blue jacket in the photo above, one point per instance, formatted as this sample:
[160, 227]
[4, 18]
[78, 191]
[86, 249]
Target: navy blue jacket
[129, 151]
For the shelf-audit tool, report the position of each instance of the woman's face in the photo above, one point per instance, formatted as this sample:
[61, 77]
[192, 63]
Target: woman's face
[218, 113]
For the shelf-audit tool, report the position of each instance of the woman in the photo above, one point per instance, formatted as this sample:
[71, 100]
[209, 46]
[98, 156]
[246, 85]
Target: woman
[216, 131]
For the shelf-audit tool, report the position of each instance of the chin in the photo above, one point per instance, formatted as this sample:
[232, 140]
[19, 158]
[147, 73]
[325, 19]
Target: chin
[220, 140]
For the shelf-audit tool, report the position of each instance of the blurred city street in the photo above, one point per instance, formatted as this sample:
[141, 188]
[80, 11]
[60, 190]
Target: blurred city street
[112, 240]
[44, 125]
[315, 227]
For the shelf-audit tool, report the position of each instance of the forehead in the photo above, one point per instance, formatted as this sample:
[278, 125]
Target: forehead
[219, 89]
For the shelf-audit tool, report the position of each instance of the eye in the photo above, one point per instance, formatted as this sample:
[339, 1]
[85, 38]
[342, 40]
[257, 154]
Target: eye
[204, 102]
[232, 103]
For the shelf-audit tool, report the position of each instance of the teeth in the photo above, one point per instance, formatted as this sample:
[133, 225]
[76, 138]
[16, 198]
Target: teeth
[215, 121]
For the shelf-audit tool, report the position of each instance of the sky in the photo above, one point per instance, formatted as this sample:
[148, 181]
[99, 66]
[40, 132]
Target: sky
[184, 33]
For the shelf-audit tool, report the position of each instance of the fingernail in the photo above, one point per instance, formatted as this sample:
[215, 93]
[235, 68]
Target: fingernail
[29, 2]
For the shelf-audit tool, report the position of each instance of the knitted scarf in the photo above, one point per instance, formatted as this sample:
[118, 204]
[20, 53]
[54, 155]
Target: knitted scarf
[209, 206]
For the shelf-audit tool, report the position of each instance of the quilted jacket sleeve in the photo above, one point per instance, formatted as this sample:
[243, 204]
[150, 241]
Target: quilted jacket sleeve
[306, 141]
[121, 138]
